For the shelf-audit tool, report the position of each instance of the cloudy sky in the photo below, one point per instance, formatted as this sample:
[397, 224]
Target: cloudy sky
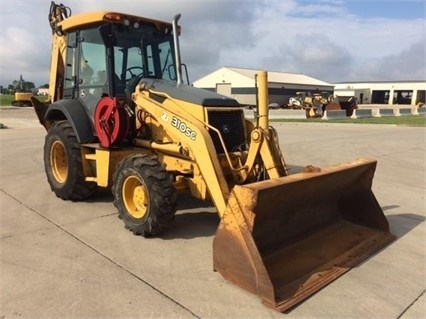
[332, 40]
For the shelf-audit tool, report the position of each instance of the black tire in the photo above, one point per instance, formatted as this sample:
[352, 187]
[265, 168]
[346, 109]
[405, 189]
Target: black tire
[63, 165]
[144, 195]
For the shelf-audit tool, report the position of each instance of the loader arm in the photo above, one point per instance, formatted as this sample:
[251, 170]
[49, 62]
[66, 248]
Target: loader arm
[264, 139]
[199, 142]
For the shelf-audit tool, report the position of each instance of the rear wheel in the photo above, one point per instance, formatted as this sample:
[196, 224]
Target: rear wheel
[144, 195]
[63, 164]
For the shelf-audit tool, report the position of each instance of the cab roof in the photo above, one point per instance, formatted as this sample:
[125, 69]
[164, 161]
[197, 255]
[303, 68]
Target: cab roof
[82, 19]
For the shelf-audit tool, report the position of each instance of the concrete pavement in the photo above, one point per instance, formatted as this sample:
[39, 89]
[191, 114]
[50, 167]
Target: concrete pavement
[76, 260]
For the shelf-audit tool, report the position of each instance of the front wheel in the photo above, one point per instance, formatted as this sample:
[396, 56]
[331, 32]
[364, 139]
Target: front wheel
[144, 195]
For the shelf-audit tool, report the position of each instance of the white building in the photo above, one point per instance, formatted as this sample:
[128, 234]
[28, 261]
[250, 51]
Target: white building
[386, 92]
[43, 91]
[239, 84]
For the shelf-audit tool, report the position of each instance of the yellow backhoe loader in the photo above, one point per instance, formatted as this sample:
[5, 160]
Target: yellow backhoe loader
[119, 115]
[22, 94]
[315, 105]
[22, 99]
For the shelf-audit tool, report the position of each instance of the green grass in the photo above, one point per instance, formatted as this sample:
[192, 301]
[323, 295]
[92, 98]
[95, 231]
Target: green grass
[410, 120]
[6, 99]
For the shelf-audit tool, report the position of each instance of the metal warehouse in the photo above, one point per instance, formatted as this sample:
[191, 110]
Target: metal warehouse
[239, 83]
[386, 92]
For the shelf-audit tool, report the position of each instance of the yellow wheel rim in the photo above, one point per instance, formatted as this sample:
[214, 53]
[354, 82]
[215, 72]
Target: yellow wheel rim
[59, 162]
[135, 197]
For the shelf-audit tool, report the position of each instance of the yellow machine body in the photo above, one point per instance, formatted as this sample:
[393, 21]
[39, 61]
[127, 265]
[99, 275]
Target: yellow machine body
[22, 99]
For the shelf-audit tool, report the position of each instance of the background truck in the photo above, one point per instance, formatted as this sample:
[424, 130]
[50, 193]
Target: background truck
[120, 116]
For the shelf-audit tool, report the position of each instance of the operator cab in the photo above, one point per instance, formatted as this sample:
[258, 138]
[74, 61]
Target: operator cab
[108, 59]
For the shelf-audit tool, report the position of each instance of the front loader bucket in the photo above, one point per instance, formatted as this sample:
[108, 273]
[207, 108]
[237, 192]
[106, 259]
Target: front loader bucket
[286, 238]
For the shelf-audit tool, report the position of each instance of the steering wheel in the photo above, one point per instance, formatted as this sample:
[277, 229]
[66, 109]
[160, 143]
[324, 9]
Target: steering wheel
[131, 71]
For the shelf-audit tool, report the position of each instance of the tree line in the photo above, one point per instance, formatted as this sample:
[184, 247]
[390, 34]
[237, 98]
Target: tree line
[20, 85]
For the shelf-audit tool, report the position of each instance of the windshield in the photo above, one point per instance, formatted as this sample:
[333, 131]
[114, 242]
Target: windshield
[143, 53]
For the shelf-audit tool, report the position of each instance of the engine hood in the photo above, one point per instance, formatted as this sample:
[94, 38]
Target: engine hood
[189, 93]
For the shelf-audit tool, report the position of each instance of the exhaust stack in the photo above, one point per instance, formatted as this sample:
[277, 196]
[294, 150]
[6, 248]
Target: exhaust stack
[177, 49]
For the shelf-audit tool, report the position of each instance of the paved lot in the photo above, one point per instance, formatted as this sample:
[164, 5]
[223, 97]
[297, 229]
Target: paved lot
[64, 259]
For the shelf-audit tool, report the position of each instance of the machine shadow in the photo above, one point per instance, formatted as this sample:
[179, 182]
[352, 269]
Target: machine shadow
[102, 195]
[194, 218]
[192, 225]
[187, 201]
[402, 224]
